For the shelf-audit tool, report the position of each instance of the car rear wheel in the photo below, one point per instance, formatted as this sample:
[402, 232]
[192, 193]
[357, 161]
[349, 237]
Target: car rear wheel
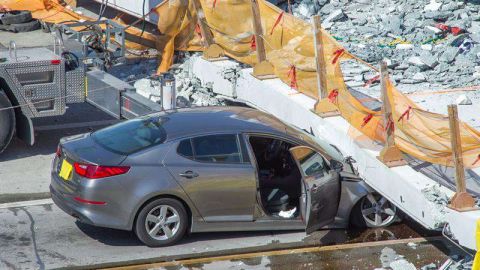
[374, 211]
[161, 222]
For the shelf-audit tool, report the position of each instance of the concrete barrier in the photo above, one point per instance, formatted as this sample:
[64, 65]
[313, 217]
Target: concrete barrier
[401, 185]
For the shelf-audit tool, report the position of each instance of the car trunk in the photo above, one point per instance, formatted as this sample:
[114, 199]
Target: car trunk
[82, 149]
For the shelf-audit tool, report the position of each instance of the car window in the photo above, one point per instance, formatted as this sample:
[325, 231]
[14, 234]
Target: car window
[185, 149]
[217, 148]
[133, 135]
[311, 162]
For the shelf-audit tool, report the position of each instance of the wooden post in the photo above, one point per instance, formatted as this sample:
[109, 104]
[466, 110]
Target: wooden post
[461, 200]
[258, 30]
[263, 69]
[320, 57]
[390, 154]
[212, 50]
[323, 107]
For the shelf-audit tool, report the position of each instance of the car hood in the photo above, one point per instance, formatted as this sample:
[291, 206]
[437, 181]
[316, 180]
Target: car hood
[83, 148]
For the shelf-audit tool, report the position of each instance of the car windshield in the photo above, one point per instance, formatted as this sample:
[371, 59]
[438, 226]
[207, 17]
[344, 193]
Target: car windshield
[133, 135]
[319, 143]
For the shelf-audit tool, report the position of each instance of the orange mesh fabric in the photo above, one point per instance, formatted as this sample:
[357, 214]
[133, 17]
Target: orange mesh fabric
[426, 135]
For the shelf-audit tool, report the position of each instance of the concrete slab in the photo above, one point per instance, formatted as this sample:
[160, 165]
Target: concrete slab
[401, 185]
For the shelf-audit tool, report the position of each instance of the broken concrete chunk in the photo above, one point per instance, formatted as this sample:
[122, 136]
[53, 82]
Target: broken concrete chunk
[336, 15]
[431, 266]
[402, 264]
[433, 29]
[404, 46]
[427, 47]
[419, 77]
[395, 24]
[428, 59]
[449, 54]
[417, 61]
[463, 100]
[440, 16]
[433, 6]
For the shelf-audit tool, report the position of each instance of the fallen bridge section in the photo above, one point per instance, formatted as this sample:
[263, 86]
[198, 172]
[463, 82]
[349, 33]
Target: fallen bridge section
[402, 185]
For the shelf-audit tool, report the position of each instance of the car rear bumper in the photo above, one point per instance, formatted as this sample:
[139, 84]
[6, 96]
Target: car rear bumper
[104, 215]
[68, 207]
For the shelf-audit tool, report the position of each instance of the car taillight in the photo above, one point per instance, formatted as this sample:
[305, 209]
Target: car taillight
[96, 171]
[59, 151]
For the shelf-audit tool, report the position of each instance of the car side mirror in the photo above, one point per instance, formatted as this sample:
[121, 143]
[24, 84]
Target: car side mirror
[336, 165]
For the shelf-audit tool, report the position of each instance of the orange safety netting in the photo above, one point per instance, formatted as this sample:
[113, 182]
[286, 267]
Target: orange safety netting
[289, 43]
[426, 135]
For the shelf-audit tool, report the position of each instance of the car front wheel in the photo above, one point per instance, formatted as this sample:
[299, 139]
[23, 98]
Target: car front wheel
[161, 222]
[374, 211]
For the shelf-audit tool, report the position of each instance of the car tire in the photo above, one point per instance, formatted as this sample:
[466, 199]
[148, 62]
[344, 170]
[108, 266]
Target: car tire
[16, 17]
[7, 121]
[161, 222]
[373, 211]
[25, 27]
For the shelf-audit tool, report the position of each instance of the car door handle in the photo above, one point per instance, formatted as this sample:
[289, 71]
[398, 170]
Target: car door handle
[188, 174]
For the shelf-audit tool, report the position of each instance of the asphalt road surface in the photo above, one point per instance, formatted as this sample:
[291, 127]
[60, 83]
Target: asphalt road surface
[44, 237]
[25, 170]
[417, 253]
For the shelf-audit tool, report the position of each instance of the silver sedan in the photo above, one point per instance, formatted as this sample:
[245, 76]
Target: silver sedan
[210, 169]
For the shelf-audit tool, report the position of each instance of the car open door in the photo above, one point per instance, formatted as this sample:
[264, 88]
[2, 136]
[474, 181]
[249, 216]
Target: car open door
[321, 188]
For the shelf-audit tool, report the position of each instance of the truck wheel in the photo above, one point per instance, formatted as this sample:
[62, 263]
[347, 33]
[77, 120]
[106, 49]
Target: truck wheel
[16, 17]
[7, 121]
[25, 27]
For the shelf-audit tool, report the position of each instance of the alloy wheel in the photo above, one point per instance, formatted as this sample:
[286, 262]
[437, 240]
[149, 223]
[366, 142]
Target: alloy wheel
[377, 211]
[162, 222]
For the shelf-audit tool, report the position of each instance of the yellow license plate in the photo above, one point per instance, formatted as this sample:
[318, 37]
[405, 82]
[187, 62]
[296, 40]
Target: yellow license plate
[66, 170]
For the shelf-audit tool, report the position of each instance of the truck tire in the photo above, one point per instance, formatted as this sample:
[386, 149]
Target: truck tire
[7, 121]
[24, 27]
[16, 17]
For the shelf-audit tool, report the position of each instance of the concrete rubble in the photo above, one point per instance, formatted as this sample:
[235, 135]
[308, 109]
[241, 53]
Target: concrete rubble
[440, 38]
[391, 260]
[190, 91]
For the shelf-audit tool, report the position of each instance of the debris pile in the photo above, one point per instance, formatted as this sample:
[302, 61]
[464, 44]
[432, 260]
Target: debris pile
[428, 42]
[440, 200]
[190, 90]
[390, 259]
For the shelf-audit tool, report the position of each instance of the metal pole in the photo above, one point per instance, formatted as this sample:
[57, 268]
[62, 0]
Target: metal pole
[168, 92]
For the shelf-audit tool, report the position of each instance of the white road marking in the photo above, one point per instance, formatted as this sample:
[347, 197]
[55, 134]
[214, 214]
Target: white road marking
[25, 203]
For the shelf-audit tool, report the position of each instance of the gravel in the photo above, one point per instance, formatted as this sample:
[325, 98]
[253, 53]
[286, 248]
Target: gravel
[406, 30]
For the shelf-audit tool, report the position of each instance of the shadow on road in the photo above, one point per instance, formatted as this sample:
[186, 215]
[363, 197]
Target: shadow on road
[46, 141]
[113, 237]
[107, 236]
